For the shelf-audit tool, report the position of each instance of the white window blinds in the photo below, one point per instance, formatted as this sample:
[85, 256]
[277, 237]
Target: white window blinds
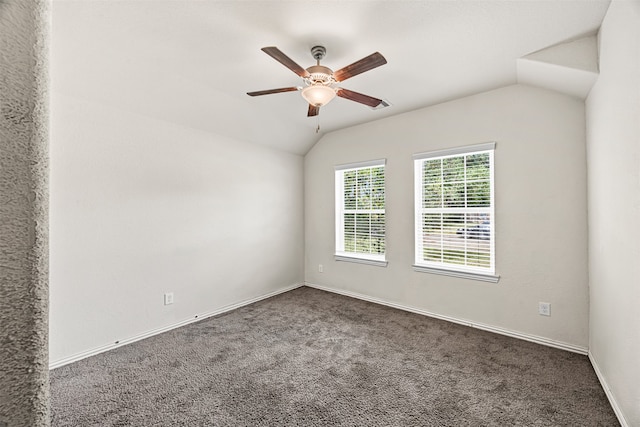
[454, 209]
[360, 210]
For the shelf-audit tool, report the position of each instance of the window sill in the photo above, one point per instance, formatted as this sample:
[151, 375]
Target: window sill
[463, 274]
[376, 262]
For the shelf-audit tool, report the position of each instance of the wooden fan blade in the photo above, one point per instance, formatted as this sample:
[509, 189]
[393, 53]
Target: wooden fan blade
[365, 64]
[313, 111]
[358, 97]
[270, 91]
[277, 54]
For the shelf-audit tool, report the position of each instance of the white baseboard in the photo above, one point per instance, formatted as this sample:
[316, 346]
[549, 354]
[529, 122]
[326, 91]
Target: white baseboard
[607, 391]
[196, 318]
[502, 331]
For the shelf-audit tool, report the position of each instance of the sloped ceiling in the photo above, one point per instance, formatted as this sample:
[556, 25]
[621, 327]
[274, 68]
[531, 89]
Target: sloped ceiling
[192, 62]
[570, 68]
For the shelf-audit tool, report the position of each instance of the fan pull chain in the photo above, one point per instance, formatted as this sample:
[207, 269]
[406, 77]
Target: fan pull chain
[318, 122]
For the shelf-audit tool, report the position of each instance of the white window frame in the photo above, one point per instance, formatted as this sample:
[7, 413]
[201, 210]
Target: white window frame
[444, 268]
[341, 254]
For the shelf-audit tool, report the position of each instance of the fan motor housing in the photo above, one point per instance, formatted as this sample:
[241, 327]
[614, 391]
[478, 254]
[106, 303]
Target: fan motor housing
[320, 69]
[320, 74]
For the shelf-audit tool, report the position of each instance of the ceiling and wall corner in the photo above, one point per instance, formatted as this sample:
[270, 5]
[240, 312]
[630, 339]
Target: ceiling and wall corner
[570, 68]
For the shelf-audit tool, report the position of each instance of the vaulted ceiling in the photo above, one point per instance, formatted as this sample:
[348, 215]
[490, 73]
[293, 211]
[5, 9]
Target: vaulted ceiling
[192, 61]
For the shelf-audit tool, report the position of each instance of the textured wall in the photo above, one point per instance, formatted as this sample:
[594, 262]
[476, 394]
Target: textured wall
[24, 378]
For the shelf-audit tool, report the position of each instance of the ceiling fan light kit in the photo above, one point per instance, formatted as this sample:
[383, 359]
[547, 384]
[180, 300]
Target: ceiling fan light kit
[320, 81]
[318, 94]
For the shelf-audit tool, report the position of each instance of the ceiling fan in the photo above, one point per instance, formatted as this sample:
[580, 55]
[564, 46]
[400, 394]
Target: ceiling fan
[320, 81]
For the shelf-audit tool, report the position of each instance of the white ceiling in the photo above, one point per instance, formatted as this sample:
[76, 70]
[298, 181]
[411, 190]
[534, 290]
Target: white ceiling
[192, 62]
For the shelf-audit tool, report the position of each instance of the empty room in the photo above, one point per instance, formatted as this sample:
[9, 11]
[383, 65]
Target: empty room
[317, 213]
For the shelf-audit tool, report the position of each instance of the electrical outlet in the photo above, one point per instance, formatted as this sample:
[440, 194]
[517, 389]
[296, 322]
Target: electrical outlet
[168, 298]
[320, 268]
[544, 308]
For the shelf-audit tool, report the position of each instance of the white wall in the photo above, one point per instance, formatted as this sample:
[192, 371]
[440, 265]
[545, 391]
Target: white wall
[541, 234]
[613, 146]
[140, 207]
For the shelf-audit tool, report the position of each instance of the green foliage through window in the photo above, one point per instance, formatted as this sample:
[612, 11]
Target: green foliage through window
[462, 181]
[363, 217]
[456, 210]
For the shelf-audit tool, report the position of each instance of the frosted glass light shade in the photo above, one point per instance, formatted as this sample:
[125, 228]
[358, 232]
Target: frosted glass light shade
[318, 95]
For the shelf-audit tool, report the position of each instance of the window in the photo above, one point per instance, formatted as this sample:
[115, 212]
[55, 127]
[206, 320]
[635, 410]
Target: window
[360, 213]
[454, 212]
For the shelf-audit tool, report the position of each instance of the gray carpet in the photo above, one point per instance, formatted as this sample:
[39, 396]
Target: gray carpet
[312, 358]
